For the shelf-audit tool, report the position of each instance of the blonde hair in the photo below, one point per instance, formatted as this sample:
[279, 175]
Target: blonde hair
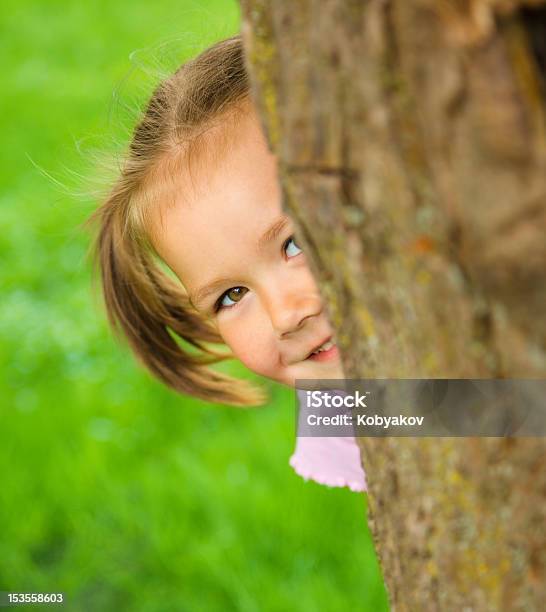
[143, 303]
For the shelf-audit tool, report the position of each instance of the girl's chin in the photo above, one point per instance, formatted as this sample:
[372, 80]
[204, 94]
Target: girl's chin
[311, 370]
[331, 369]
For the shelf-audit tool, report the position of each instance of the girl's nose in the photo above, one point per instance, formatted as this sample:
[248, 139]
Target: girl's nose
[289, 307]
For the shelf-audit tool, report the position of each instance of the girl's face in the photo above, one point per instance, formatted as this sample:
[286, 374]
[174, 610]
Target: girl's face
[232, 247]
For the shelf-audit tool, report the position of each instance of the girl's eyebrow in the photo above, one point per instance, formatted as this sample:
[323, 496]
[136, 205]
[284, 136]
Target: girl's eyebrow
[268, 236]
[275, 229]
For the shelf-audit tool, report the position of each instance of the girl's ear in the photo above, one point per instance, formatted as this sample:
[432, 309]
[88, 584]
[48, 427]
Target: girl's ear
[149, 309]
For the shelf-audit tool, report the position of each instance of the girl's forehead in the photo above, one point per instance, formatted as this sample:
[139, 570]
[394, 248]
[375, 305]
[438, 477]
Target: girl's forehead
[236, 191]
[233, 148]
[223, 204]
[227, 162]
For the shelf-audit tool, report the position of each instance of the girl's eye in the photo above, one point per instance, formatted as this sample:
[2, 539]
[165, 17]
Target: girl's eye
[291, 248]
[230, 297]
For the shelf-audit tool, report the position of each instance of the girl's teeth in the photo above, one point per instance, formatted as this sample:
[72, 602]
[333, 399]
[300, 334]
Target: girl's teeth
[325, 347]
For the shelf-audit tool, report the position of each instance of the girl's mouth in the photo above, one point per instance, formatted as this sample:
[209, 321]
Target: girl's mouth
[326, 352]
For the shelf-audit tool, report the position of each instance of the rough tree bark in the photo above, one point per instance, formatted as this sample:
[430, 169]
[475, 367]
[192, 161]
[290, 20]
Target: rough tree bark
[412, 142]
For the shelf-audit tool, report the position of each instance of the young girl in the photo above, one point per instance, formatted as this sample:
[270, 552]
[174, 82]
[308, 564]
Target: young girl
[199, 190]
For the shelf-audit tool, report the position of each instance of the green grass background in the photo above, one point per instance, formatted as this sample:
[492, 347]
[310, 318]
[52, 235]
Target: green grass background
[115, 490]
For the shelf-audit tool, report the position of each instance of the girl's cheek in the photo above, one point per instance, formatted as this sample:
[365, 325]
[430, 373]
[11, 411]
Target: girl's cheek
[250, 340]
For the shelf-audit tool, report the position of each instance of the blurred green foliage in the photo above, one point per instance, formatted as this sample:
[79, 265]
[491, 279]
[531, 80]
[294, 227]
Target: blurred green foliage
[115, 490]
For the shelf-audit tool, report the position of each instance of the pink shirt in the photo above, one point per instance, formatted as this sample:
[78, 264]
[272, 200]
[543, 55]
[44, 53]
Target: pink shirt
[330, 461]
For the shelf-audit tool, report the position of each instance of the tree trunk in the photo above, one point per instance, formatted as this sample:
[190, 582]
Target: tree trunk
[411, 137]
